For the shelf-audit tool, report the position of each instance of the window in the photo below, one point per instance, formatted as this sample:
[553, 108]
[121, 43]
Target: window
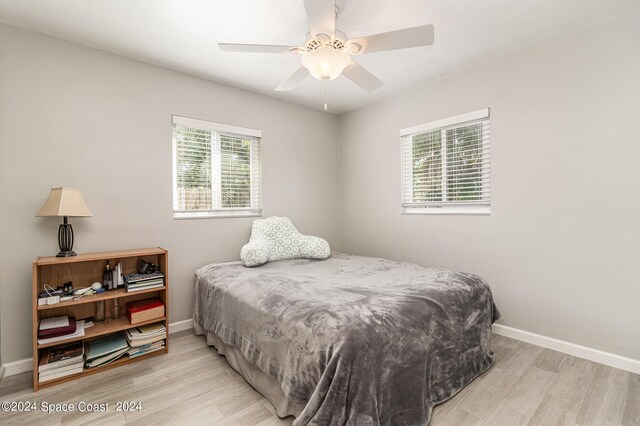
[446, 167]
[216, 170]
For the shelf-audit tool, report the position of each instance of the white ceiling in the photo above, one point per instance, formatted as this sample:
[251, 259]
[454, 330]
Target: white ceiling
[183, 35]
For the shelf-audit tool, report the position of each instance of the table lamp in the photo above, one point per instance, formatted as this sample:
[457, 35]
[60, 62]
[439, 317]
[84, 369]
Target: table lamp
[65, 202]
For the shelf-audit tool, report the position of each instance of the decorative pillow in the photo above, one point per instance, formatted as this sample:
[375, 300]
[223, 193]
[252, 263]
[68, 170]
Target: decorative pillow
[275, 238]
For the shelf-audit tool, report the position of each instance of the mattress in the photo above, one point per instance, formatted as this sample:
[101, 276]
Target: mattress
[350, 339]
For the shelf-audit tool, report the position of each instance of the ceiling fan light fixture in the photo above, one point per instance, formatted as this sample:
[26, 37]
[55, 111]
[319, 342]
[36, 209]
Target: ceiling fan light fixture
[325, 63]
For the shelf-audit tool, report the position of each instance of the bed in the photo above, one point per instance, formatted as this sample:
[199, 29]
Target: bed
[351, 339]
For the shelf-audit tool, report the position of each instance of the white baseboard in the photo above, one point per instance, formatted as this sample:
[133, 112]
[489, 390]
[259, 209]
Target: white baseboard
[17, 367]
[591, 354]
[1, 373]
[22, 365]
[174, 327]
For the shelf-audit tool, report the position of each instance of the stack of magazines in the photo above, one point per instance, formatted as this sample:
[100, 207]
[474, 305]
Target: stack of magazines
[106, 350]
[137, 282]
[60, 361]
[146, 339]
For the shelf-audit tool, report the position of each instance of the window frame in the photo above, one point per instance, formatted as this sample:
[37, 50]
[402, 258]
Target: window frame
[216, 189]
[479, 207]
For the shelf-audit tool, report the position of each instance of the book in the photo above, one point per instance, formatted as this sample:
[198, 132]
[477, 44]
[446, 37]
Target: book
[145, 310]
[142, 342]
[56, 371]
[56, 322]
[134, 352]
[105, 346]
[53, 331]
[61, 374]
[135, 277]
[144, 283]
[131, 290]
[78, 333]
[137, 354]
[60, 356]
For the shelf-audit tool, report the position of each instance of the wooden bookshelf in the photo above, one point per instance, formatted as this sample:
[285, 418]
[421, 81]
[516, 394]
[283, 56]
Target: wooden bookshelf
[83, 270]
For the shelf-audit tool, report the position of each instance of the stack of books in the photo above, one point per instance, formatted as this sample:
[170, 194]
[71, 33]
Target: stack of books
[59, 328]
[146, 339]
[106, 350]
[60, 361]
[137, 282]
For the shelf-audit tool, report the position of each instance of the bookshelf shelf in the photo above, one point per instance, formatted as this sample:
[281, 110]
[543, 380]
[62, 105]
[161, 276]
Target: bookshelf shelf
[82, 270]
[107, 295]
[101, 329]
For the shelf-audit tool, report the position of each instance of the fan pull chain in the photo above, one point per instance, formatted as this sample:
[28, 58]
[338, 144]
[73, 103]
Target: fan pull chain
[325, 95]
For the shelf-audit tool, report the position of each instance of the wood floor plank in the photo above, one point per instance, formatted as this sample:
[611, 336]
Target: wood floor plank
[506, 417]
[549, 414]
[570, 387]
[551, 360]
[605, 399]
[631, 412]
[520, 358]
[250, 416]
[456, 417]
[523, 398]
[489, 393]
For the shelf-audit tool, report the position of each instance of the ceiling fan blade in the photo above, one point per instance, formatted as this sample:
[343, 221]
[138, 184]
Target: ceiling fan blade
[363, 78]
[293, 81]
[321, 15]
[400, 39]
[254, 48]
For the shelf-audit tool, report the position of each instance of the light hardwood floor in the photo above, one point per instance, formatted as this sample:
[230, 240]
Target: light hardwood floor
[528, 385]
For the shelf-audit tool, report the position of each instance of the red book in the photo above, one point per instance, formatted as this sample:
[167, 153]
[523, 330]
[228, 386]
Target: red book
[145, 310]
[59, 331]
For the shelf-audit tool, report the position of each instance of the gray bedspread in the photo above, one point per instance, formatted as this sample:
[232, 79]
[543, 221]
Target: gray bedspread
[354, 340]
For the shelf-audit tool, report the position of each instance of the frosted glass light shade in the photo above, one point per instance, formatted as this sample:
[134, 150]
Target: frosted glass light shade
[325, 63]
[65, 202]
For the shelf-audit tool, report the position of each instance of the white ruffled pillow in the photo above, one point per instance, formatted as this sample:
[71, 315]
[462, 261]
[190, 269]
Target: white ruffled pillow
[275, 238]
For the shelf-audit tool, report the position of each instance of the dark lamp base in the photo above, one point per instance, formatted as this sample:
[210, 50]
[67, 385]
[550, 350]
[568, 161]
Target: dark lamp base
[65, 239]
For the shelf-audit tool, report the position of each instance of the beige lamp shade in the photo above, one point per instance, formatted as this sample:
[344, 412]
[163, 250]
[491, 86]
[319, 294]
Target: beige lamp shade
[65, 202]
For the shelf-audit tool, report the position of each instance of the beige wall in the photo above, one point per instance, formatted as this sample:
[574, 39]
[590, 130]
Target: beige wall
[562, 244]
[83, 118]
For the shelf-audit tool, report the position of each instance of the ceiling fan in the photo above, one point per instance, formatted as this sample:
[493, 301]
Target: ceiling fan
[327, 51]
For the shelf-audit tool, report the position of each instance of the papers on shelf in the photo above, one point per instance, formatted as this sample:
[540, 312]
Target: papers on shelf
[78, 333]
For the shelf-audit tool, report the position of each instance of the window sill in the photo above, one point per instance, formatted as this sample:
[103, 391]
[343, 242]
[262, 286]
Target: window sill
[449, 210]
[215, 215]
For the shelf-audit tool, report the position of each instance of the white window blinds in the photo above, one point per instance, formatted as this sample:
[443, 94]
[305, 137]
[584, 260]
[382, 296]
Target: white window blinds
[216, 170]
[446, 165]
